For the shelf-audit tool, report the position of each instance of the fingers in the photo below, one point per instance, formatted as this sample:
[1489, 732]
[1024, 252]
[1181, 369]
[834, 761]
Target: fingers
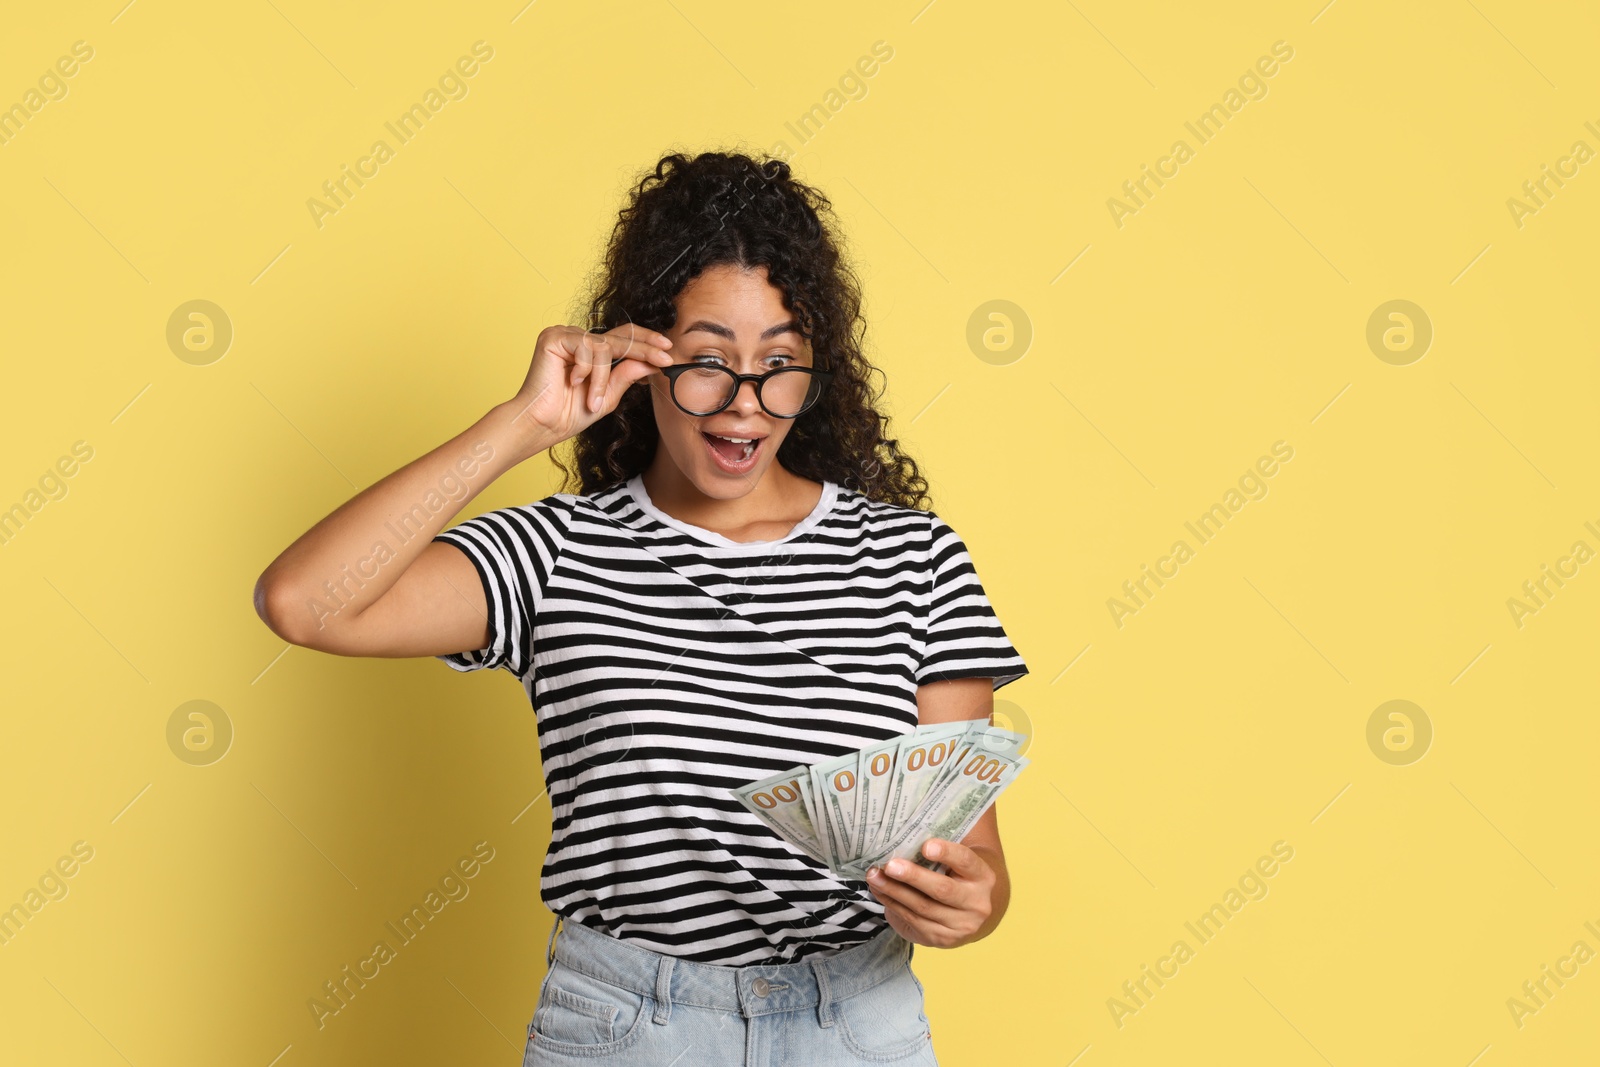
[597, 354]
[940, 887]
[944, 905]
[594, 355]
[646, 346]
[939, 910]
[918, 928]
[961, 860]
[630, 341]
[600, 373]
[622, 376]
[581, 346]
[909, 927]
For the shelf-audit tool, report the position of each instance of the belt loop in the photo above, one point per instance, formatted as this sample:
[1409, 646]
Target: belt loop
[664, 988]
[824, 995]
[550, 946]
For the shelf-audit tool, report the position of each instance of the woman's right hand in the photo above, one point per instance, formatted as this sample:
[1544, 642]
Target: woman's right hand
[572, 383]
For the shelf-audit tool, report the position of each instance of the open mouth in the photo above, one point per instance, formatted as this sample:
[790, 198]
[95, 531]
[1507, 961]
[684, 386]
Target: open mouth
[734, 454]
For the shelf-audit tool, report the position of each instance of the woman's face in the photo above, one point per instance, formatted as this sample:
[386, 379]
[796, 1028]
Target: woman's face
[732, 318]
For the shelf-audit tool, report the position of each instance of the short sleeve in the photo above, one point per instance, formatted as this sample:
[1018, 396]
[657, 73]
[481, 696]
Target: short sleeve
[964, 636]
[514, 550]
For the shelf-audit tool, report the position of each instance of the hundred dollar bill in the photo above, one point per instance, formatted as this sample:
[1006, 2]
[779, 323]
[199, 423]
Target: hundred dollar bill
[994, 740]
[875, 778]
[802, 774]
[918, 762]
[846, 812]
[833, 784]
[877, 774]
[978, 736]
[916, 777]
[952, 811]
[780, 802]
[819, 819]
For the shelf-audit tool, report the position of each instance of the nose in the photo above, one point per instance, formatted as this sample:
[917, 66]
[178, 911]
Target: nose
[739, 401]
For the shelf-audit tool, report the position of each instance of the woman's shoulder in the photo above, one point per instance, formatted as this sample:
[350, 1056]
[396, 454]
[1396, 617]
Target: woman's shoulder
[907, 526]
[567, 504]
[556, 508]
[920, 530]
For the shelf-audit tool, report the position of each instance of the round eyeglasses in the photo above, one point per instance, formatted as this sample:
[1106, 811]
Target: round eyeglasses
[701, 389]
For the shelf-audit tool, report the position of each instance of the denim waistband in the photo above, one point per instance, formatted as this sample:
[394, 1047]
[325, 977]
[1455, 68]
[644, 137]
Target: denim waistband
[751, 990]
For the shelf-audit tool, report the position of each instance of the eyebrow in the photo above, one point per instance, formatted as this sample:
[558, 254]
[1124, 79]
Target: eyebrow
[706, 326]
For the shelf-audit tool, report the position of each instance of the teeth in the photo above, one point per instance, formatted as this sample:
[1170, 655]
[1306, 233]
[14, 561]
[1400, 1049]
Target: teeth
[748, 442]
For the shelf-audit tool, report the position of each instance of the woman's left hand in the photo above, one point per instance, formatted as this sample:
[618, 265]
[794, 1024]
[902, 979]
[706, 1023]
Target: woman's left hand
[937, 910]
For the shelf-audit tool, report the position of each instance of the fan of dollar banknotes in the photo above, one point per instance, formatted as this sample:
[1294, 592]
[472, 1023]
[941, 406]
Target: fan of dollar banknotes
[866, 807]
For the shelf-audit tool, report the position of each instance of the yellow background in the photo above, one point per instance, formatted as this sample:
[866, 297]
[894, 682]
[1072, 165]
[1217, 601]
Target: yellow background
[1228, 313]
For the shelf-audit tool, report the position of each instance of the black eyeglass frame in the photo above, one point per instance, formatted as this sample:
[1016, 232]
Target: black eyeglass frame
[674, 371]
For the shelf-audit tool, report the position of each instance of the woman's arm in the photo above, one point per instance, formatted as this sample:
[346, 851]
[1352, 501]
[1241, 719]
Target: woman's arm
[966, 903]
[368, 580]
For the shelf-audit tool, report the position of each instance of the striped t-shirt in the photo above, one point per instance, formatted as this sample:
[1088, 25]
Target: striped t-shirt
[668, 664]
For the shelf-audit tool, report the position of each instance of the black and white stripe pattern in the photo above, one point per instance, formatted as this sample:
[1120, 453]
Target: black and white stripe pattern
[668, 664]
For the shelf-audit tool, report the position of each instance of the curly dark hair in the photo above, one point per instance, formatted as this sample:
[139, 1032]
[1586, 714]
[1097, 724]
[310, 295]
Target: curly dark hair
[716, 208]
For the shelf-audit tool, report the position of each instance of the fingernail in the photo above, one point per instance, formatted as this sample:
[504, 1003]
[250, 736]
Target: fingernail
[932, 849]
[896, 866]
[873, 874]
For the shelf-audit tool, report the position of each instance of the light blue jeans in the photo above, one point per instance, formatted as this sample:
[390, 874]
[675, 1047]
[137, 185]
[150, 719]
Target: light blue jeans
[604, 1001]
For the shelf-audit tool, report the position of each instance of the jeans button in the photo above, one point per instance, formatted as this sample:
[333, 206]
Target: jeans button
[761, 986]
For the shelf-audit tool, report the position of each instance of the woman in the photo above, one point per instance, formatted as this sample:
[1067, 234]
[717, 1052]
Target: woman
[745, 580]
